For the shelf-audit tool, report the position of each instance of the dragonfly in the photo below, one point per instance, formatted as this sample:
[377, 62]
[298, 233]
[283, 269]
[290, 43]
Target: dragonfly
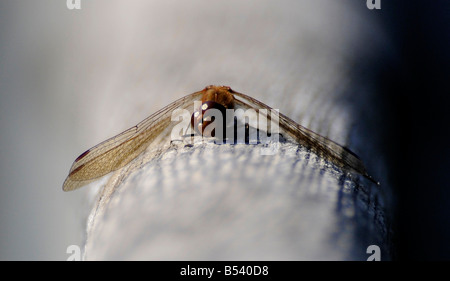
[116, 152]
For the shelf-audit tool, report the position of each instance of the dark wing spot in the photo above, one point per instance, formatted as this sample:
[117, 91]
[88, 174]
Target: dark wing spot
[82, 155]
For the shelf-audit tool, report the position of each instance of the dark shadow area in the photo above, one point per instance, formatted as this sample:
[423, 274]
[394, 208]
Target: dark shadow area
[413, 88]
[402, 97]
[420, 137]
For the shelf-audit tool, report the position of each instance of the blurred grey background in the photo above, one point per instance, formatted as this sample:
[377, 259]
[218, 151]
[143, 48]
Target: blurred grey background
[72, 78]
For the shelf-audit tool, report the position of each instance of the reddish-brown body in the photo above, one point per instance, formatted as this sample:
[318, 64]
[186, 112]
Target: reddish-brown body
[214, 97]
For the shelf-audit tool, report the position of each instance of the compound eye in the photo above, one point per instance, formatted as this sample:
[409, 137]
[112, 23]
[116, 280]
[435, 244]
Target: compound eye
[201, 119]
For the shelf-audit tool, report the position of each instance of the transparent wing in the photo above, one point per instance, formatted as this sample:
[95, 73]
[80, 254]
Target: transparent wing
[322, 146]
[119, 150]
